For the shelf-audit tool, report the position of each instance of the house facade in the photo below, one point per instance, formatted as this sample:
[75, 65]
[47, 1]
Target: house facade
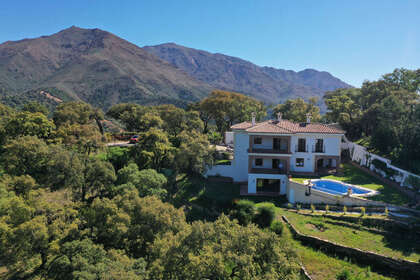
[266, 153]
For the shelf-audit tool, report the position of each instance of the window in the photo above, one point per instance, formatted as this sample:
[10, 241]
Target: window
[300, 162]
[301, 145]
[319, 146]
[258, 162]
[258, 140]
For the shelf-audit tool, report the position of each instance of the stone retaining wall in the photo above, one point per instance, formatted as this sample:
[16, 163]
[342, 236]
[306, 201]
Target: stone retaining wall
[386, 224]
[405, 269]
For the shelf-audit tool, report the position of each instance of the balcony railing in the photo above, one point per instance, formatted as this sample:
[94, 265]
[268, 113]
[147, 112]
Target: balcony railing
[318, 149]
[300, 149]
[268, 171]
[269, 151]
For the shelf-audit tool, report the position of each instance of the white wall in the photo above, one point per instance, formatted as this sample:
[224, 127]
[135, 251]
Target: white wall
[240, 159]
[229, 138]
[266, 142]
[308, 165]
[332, 145]
[238, 169]
[267, 163]
[252, 181]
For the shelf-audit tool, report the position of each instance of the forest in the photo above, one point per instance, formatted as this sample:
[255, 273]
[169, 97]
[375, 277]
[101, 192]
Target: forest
[383, 115]
[73, 208]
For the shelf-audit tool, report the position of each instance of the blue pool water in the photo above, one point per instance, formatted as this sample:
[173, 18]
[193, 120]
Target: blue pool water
[335, 187]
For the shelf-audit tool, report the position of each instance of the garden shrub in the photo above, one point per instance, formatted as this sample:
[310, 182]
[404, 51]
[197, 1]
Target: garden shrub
[244, 211]
[362, 211]
[277, 227]
[413, 182]
[266, 212]
[344, 275]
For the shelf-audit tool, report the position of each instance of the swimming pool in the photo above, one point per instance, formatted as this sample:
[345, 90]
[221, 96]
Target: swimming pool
[339, 188]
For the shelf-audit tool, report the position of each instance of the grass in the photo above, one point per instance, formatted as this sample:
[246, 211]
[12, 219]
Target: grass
[322, 266]
[205, 193]
[355, 176]
[354, 237]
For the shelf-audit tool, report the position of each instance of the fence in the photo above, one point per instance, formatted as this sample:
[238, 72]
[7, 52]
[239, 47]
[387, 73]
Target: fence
[364, 158]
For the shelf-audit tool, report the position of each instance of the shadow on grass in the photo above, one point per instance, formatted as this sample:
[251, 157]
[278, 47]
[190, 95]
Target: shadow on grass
[403, 245]
[200, 191]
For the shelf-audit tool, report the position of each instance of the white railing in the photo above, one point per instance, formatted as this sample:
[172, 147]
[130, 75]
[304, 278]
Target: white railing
[360, 155]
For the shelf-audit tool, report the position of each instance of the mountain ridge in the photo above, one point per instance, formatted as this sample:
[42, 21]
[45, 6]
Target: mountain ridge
[95, 66]
[103, 69]
[232, 73]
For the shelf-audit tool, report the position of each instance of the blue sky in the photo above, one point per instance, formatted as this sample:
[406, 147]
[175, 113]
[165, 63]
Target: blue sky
[353, 40]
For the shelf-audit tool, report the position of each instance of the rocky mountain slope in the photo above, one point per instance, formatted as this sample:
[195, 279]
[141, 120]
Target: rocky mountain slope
[94, 66]
[231, 73]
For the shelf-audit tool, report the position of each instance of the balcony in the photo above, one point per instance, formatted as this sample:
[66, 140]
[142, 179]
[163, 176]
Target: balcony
[268, 171]
[268, 151]
[318, 149]
[301, 149]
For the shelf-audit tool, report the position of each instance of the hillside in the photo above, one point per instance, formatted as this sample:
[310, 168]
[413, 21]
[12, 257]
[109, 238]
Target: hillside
[94, 66]
[231, 73]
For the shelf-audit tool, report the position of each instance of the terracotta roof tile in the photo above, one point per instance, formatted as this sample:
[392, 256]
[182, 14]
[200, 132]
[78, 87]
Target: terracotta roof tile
[288, 127]
[242, 125]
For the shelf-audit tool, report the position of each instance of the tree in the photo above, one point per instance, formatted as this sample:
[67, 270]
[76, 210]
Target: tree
[107, 223]
[222, 250]
[31, 229]
[150, 219]
[147, 181]
[131, 115]
[21, 185]
[86, 260]
[86, 138]
[35, 107]
[27, 123]
[227, 108]
[385, 112]
[5, 114]
[175, 120]
[50, 165]
[153, 150]
[244, 211]
[73, 113]
[26, 155]
[297, 109]
[97, 180]
[194, 153]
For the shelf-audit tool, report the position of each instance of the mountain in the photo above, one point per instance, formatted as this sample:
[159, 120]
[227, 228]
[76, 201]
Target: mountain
[231, 73]
[94, 66]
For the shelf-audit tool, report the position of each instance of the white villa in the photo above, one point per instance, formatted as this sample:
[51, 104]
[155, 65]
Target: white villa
[265, 153]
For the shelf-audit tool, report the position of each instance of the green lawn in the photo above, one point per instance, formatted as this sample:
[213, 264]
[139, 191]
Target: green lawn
[355, 176]
[325, 228]
[321, 266]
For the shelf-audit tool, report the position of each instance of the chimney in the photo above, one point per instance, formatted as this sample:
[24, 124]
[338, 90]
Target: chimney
[253, 118]
[308, 117]
[279, 115]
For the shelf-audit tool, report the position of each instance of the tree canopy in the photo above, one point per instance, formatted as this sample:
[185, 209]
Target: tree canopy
[297, 110]
[384, 112]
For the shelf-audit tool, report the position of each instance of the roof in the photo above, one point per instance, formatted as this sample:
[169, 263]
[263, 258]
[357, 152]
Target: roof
[287, 127]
